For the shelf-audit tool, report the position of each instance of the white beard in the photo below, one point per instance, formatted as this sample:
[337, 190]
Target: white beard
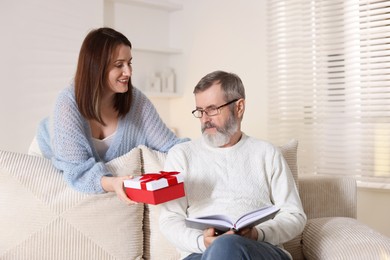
[223, 134]
[216, 140]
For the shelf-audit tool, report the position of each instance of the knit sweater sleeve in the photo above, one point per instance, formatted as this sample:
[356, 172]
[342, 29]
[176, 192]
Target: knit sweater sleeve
[158, 136]
[291, 219]
[173, 213]
[72, 152]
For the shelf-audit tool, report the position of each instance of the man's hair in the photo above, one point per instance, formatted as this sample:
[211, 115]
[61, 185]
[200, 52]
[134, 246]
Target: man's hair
[231, 84]
[96, 54]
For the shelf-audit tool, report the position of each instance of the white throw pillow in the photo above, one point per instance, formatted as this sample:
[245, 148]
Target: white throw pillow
[157, 246]
[43, 218]
[289, 151]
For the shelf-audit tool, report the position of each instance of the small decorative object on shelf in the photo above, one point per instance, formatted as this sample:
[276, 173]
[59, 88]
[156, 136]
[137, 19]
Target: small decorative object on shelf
[168, 81]
[154, 83]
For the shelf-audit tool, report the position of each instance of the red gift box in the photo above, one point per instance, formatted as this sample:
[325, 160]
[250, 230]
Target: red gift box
[155, 188]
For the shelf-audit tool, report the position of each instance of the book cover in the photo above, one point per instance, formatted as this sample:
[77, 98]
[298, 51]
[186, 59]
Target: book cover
[224, 223]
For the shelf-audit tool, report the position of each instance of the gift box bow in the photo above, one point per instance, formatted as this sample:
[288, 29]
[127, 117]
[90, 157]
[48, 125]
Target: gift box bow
[154, 181]
[169, 176]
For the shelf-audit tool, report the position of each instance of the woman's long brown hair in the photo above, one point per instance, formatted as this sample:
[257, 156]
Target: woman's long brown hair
[91, 76]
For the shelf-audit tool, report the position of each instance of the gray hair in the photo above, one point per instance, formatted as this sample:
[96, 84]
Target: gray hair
[231, 84]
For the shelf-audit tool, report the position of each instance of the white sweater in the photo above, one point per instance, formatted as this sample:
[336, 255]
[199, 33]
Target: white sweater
[231, 181]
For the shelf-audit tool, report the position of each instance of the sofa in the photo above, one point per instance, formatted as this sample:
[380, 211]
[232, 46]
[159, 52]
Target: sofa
[43, 218]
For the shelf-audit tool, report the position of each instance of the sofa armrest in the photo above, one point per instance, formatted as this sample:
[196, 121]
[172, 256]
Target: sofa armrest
[324, 196]
[343, 238]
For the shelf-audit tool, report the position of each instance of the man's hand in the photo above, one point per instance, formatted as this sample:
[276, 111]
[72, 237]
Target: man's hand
[210, 234]
[250, 233]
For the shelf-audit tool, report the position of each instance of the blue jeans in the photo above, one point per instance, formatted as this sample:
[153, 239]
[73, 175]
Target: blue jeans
[239, 248]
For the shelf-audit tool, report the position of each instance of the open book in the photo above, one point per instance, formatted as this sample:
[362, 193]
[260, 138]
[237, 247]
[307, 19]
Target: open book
[223, 223]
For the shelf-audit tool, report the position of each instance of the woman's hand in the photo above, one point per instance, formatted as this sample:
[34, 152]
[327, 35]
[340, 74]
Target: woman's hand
[115, 184]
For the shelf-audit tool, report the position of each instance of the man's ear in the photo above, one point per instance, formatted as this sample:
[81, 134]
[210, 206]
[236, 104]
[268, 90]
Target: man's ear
[240, 107]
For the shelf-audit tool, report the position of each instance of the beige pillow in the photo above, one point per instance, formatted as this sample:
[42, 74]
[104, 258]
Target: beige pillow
[43, 218]
[343, 238]
[289, 151]
[156, 245]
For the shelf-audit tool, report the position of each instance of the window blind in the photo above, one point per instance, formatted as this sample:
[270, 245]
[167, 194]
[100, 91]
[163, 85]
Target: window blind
[329, 85]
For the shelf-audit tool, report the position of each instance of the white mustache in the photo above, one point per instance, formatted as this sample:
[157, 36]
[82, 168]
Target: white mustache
[208, 125]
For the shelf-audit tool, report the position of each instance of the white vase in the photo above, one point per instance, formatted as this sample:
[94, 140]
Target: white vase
[154, 83]
[169, 81]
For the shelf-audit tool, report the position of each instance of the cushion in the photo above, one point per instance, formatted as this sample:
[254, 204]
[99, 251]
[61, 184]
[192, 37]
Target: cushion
[43, 218]
[34, 148]
[328, 196]
[343, 238]
[289, 151]
[156, 245]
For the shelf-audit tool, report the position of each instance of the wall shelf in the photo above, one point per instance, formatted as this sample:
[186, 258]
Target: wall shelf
[159, 51]
[162, 95]
[152, 53]
[155, 4]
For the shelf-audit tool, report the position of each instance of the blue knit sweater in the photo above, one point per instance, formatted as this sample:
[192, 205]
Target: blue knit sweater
[66, 139]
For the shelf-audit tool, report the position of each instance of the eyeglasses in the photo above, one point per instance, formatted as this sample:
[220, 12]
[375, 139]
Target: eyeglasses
[210, 111]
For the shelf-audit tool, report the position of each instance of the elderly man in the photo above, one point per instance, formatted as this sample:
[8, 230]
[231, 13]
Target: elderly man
[227, 172]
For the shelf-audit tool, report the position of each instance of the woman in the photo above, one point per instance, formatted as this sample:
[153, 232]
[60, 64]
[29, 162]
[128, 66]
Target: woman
[100, 117]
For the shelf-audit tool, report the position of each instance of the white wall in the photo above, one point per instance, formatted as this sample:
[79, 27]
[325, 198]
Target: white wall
[220, 35]
[39, 59]
[373, 208]
[40, 41]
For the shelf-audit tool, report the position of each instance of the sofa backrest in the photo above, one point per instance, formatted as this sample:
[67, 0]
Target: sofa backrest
[43, 218]
[324, 196]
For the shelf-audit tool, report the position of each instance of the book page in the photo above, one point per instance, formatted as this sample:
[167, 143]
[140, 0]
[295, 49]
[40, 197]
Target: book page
[219, 222]
[223, 223]
[256, 217]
